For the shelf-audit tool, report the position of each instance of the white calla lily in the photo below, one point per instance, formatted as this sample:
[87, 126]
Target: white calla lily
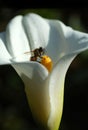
[44, 90]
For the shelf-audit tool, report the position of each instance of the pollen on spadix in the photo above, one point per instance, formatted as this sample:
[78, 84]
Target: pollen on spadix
[47, 62]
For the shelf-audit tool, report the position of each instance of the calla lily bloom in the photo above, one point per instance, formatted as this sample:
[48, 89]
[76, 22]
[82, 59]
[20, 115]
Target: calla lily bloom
[44, 89]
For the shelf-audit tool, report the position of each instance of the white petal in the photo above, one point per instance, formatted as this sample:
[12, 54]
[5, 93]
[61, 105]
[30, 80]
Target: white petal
[33, 70]
[37, 30]
[17, 42]
[58, 39]
[45, 93]
[45, 33]
[33, 31]
[4, 55]
[34, 76]
[64, 40]
[56, 91]
[75, 41]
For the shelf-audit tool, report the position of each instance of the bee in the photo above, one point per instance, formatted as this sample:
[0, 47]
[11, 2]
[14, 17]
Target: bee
[38, 55]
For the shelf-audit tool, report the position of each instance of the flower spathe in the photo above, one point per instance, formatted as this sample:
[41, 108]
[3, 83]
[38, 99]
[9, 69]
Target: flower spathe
[44, 90]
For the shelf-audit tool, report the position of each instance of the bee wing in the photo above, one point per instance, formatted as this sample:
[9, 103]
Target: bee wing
[22, 57]
[28, 52]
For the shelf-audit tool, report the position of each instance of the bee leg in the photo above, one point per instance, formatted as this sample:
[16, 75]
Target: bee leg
[33, 58]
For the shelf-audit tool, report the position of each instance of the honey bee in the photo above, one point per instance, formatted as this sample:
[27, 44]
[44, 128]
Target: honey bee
[38, 55]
